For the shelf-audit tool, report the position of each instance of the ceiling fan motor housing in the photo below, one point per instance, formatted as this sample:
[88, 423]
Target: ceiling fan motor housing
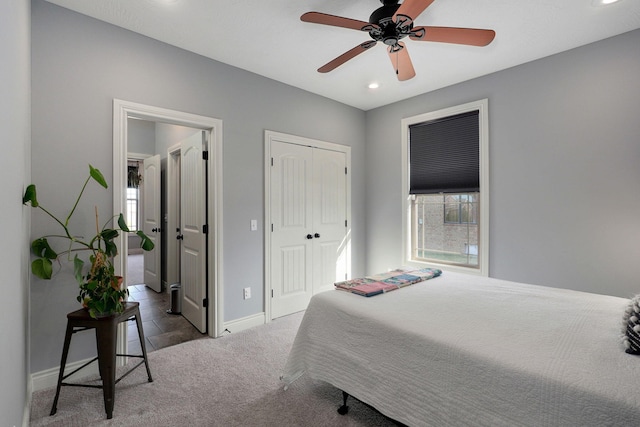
[389, 32]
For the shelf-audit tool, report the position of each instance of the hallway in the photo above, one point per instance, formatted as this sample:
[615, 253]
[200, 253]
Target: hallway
[161, 329]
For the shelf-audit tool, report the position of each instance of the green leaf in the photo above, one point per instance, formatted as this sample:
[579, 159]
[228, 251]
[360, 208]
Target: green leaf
[77, 269]
[42, 268]
[110, 248]
[30, 196]
[145, 242]
[122, 224]
[108, 234]
[40, 247]
[97, 176]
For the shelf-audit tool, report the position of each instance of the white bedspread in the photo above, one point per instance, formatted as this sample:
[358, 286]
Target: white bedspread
[462, 350]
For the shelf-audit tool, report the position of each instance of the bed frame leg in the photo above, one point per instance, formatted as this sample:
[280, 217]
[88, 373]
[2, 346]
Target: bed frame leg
[344, 408]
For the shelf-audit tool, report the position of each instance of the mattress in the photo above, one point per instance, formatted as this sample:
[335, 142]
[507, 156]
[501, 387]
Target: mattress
[467, 350]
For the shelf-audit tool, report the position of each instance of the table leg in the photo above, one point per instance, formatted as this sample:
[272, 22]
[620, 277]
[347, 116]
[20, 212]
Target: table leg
[63, 362]
[142, 345]
[106, 335]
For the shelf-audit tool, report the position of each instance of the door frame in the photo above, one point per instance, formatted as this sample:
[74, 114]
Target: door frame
[270, 136]
[173, 211]
[122, 111]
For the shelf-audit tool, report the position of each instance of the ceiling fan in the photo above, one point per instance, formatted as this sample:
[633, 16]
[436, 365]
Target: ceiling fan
[391, 23]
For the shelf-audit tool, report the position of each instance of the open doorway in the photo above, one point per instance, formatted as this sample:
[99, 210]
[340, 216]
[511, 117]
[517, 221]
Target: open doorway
[125, 113]
[151, 207]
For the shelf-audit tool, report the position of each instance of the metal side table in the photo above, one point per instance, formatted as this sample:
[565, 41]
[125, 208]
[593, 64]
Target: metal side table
[106, 334]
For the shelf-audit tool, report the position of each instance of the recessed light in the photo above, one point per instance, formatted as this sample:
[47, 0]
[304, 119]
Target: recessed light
[603, 2]
[374, 85]
[164, 2]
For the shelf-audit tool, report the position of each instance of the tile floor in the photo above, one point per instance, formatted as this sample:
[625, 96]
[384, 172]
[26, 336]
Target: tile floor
[161, 329]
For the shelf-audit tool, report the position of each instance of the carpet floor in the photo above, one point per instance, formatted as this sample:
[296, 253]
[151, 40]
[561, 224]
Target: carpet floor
[228, 381]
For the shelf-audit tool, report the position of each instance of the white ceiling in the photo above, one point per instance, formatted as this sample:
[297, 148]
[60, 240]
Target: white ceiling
[267, 37]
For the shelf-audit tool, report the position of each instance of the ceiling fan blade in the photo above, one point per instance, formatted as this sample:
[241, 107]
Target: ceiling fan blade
[468, 36]
[350, 54]
[412, 8]
[401, 62]
[337, 21]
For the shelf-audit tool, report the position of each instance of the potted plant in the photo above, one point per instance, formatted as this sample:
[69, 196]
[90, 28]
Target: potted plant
[100, 289]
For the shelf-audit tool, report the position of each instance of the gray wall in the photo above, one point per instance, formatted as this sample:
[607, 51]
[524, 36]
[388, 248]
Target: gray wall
[565, 169]
[169, 135]
[141, 137]
[14, 169]
[80, 65]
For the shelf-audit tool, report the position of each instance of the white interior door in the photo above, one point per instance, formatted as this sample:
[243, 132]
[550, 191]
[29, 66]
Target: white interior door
[152, 221]
[292, 234]
[308, 202]
[193, 254]
[329, 219]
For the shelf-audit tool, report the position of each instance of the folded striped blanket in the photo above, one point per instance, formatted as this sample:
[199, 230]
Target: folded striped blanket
[386, 282]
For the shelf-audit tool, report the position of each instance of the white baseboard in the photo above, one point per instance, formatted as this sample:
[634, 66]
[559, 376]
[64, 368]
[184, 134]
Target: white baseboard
[26, 415]
[49, 377]
[243, 323]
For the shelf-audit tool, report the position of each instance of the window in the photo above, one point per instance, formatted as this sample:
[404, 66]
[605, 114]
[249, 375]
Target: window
[132, 208]
[446, 229]
[445, 182]
[133, 195]
[460, 208]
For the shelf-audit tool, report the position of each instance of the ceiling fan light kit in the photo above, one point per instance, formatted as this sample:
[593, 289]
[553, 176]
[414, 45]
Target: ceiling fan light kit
[391, 23]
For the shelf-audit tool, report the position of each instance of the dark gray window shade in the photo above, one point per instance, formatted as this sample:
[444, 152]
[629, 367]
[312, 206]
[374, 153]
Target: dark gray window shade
[445, 155]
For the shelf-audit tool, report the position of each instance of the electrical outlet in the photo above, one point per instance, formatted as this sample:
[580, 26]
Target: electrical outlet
[247, 293]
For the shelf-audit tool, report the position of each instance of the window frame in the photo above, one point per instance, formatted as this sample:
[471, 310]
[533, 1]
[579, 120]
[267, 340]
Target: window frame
[482, 106]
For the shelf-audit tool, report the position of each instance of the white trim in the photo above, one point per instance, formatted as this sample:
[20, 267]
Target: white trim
[243, 323]
[26, 412]
[122, 110]
[138, 156]
[483, 107]
[270, 136]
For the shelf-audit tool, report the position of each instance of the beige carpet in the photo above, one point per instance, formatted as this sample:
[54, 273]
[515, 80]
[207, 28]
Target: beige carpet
[229, 381]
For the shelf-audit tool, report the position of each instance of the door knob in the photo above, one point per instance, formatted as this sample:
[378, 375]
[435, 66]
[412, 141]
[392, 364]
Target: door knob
[155, 230]
[317, 235]
[309, 236]
[180, 237]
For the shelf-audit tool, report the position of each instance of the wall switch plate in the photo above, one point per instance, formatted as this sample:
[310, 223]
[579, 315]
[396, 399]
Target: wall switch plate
[247, 293]
[254, 224]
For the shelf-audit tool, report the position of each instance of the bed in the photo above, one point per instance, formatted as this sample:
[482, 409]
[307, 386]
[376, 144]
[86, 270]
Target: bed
[467, 350]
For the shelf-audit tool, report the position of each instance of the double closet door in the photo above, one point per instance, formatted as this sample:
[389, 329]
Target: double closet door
[308, 211]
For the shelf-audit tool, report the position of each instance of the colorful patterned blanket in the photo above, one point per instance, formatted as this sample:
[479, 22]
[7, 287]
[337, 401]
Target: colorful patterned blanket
[386, 282]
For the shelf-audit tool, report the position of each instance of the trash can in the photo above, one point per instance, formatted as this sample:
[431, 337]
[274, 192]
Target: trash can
[176, 299]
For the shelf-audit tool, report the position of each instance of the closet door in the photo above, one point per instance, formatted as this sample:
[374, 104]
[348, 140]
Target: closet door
[308, 214]
[329, 219]
[291, 237]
